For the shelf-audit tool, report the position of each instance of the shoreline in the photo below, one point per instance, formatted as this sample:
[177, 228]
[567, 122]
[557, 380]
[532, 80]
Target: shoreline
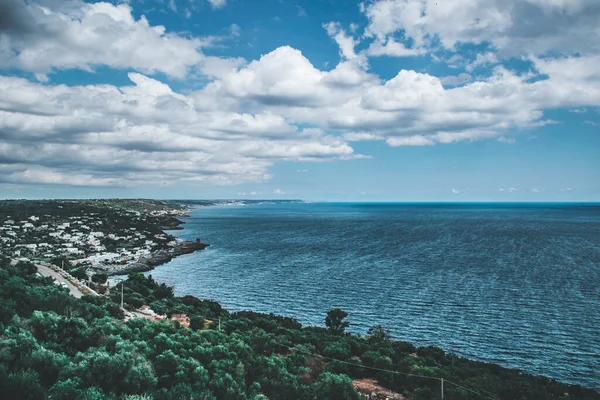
[158, 257]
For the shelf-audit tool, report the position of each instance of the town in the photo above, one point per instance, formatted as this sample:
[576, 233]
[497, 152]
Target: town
[93, 237]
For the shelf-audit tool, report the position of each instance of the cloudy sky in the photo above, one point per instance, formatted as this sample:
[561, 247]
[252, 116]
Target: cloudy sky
[405, 100]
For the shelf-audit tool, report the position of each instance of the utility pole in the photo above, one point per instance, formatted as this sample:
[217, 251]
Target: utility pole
[442, 387]
[122, 296]
[219, 323]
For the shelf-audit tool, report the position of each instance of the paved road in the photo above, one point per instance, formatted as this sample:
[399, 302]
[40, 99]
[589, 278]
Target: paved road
[45, 271]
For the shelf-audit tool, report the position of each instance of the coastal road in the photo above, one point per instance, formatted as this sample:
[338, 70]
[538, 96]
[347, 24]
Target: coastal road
[45, 271]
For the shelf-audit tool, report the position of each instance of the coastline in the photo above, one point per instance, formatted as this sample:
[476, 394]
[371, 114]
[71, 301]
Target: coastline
[278, 291]
[158, 257]
[173, 216]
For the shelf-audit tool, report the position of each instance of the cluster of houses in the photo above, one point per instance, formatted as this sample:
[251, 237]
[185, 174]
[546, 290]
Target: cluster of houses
[147, 313]
[94, 238]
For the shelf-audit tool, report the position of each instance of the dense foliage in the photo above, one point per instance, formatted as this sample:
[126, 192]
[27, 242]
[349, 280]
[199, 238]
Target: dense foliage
[55, 346]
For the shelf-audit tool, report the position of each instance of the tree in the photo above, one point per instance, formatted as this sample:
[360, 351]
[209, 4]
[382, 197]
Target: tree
[334, 386]
[22, 385]
[99, 278]
[196, 322]
[378, 334]
[335, 321]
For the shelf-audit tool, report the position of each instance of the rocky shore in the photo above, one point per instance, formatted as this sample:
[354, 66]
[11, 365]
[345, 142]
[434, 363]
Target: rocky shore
[155, 258]
[147, 263]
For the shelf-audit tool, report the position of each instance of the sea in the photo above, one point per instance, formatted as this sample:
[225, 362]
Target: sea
[513, 284]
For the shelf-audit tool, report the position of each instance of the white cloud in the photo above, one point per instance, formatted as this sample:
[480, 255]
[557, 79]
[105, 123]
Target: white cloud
[248, 115]
[302, 170]
[501, 190]
[410, 109]
[512, 26]
[217, 3]
[456, 80]
[392, 48]
[482, 59]
[278, 191]
[89, 35]
[361, 136]
[346, 43]
[512, 190]
[455, 191]
[536, 190]
[505, 139]
[416, 140]
[142, 133]
[235, 30]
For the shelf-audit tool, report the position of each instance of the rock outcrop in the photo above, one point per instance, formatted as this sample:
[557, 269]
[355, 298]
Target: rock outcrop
[147, 263]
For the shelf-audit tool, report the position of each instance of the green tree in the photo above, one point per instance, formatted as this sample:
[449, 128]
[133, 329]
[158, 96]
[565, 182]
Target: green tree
[335, 321]
[99, 278]
[378, 334]
[196, 322]
[334, 387]
[23, 385]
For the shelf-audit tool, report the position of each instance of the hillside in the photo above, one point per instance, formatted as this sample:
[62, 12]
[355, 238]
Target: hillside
[55, 346]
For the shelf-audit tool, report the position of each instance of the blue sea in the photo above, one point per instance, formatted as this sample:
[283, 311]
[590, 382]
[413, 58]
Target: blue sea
[513, 284]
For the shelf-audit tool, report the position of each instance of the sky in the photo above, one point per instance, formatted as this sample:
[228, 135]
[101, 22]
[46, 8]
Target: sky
[381, 100]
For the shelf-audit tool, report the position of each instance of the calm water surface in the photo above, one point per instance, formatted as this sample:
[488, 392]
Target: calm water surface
[514, 284]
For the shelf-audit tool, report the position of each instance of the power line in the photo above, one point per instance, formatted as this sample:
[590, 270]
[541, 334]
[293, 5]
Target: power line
[469, 390]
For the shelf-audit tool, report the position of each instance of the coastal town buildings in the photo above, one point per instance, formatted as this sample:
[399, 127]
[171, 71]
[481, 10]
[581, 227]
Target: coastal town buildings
[89, 234]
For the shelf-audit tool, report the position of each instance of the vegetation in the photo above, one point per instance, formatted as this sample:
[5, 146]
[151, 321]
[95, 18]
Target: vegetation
[56, 347]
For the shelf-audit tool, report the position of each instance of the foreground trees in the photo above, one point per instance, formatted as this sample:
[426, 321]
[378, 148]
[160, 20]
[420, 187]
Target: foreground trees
[55, 346]
[335, 321]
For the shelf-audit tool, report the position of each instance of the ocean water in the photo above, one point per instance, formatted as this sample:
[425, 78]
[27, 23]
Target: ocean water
[517, 285]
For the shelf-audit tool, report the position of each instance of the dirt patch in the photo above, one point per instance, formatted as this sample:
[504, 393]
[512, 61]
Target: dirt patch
[369, 389]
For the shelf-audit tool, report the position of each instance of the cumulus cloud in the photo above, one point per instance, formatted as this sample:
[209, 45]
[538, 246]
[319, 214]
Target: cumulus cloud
[248, 115]
[511, 26]
[412, 108]
[455, 191]
[141, 133]
[53, 35]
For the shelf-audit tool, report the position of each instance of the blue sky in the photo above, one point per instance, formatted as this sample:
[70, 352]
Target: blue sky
[384, 100]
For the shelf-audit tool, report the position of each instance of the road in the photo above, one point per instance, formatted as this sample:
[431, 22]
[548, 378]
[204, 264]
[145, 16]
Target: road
[45, 271]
